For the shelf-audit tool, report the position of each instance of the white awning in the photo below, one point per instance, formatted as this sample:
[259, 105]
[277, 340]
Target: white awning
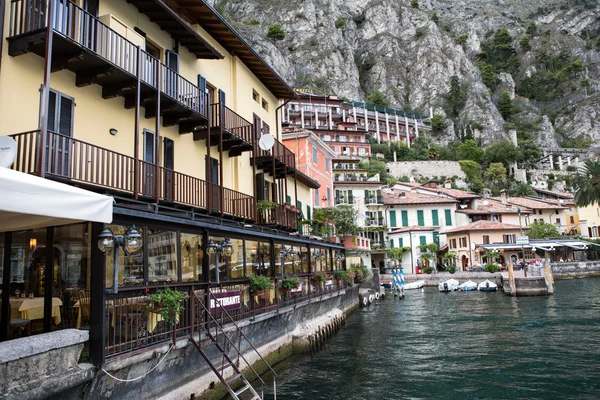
[28, 202]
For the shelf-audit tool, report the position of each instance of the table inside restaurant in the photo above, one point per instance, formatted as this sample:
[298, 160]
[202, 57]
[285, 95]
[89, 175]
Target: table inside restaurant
[34, 308]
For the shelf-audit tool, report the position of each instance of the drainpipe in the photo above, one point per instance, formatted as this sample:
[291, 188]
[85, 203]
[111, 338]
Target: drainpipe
[412, 263]
[277, 116]
[470, 249]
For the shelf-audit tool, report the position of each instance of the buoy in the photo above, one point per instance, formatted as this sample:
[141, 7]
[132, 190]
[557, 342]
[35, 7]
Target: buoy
[376, 295]
[365, 301]
[460, 290]
[371, 298]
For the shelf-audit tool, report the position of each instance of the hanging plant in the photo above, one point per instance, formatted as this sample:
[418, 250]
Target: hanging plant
[168, 304]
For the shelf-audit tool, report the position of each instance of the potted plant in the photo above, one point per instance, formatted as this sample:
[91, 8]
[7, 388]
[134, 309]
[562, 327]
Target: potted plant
[287, 284]
[451, 269]
[491, 268]
[265, 205]
[260, 283]
[342, 276]
[168, 304]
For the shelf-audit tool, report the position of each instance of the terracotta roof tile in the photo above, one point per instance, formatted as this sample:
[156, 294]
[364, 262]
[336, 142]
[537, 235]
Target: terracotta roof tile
[400, 197]
[483, 225]
[530, 203]
[494, 207]
[413, 228]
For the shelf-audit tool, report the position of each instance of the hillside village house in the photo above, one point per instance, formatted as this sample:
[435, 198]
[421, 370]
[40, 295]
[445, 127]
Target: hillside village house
[411, 236]
[462, 240]
[160, 107]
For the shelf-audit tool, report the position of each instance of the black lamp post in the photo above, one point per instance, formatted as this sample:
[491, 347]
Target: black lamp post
[225, 248]
[287, 254]
[131, 243]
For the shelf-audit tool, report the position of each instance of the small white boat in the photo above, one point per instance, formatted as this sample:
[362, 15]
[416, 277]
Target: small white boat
[487, 286]
[414, 285]
[448, 286]
[468, 285]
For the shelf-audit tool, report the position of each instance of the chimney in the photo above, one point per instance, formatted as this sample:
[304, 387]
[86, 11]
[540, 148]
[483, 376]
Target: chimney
[475, 204]
[448, 184]
[504, 196]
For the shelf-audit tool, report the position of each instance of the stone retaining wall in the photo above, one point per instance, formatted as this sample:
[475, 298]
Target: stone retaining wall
[576, 269]
[434, 279]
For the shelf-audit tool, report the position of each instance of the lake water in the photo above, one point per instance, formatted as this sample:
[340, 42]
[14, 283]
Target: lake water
[469, 345]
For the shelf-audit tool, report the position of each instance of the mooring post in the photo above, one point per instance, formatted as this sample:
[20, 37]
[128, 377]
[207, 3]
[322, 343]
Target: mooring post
[511, 279]
[548, 277]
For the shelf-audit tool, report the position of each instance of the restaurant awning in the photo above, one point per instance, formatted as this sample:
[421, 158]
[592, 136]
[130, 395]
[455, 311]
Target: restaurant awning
[28, 202]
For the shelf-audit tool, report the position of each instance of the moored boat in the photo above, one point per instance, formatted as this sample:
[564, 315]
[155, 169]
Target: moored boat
[414, 285]
[467, 286]
[448, 286]
[386, 283]
[487, 286]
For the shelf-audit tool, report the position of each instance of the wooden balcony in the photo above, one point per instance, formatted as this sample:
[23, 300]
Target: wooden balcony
[73, 161]
[99, 55]
[236, 132]
[280, 161]
[280, 217]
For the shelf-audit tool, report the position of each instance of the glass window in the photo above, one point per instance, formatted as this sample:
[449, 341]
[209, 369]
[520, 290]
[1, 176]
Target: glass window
[131, 267]
[235, 263]
[258, 258]
[162, 256]
[328, 260]
[315, 260]
[72, 275]
[217, 262]
[304, 259]
[191, 257]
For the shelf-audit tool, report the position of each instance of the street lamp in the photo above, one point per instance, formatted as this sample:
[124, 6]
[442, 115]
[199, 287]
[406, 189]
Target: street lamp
[131, 242]
[225, 248]
[287, 254]
[340, 259]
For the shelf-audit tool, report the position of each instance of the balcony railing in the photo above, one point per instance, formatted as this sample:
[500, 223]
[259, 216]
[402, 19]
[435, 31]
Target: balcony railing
[77, 25]
[284, 157]
[281, 216]
[225, 118]
[75, 161]
[374, 200]
[343, 200]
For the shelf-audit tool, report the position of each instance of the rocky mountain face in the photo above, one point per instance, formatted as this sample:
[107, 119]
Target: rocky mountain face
[411, 49]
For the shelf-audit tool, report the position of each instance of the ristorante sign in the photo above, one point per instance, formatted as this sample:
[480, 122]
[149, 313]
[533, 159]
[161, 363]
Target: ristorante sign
[225, 301]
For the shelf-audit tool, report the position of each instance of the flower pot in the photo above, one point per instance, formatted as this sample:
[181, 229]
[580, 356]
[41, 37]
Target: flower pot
[452, 272]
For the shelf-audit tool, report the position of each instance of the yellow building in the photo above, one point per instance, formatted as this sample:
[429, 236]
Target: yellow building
[161, 106]
[463, 240]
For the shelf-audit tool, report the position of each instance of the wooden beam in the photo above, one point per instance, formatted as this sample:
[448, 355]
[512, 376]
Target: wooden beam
[88, 77]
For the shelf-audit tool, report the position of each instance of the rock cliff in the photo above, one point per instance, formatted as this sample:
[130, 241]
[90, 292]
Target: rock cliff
[411, 49]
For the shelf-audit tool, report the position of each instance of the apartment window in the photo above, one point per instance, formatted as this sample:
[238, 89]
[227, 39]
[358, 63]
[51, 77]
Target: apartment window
[255, 96]
[326, 164]
[572, 219]
[540, 212]
[558, 221]
[265, 105]
[509, 238]
[362, 151]
[392, 219]
[60, 113]
[486, 239]
[391, 243]
[314, 155]
[326, 138]
[420, 218]
[404, 218]
[448, 214]
[266, 129]
[341, 138]
[328, 197]
[452, 243]
[463, 242]
[317, 203]
[435, 218]
[422, 240]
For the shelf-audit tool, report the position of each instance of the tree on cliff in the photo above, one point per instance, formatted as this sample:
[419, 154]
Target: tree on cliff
[587, 184]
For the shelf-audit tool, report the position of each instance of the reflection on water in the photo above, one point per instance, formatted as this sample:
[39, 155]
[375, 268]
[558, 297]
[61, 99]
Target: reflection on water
[460, 346]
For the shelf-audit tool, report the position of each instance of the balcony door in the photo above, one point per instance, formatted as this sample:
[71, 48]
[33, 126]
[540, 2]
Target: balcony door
[171, 76]
[169, 167]
[214, 192]
[60, 120]
[148, 165]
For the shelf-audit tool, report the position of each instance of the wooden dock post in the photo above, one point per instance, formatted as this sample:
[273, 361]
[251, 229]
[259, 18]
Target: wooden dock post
[548, 277]
[511, 279]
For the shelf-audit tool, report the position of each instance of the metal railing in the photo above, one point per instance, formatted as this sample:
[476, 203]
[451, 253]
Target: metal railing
[73, 160]
[225, 118]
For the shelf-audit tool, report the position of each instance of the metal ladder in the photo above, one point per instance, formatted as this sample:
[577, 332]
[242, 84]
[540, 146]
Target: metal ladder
[221, 361]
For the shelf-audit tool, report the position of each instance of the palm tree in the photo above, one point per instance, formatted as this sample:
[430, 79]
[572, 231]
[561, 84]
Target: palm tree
[587, 184]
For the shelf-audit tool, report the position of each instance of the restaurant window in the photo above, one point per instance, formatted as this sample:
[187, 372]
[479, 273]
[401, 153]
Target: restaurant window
[72, 271]
[328, 260]
[217, 262]
[192, 253]
[258, 258]
[304, 260]
[315, 259]
[235, 263]
[486, 239]
[131, 267]
[162, 256]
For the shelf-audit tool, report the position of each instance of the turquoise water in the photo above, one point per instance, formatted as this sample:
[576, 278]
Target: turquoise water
[459, 346]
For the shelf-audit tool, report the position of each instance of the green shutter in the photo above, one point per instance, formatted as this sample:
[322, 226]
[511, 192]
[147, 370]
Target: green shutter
[448, 217]
[422, 240]
[404, 218]
[391, 243]
[420, 218]
[308, 212]
[392, 219]
[289, 200]
[435, 218]
[436, 238]
[300, 217]
[401, 242]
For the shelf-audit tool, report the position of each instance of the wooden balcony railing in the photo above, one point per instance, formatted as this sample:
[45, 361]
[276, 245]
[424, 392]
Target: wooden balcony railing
[281, 216]
[225, 118]
[76, 161]
[79, 26]
[281, 154]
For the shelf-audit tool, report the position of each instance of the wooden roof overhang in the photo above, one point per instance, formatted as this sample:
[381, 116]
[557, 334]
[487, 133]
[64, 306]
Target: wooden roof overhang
[173, 23]
[217, 27]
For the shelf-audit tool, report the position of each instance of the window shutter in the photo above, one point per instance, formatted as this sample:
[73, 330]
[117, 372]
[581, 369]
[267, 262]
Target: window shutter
[289, 199]
[404, 218]
[401, 242]
[420, 218]
[308, 212]
[392, 219]
[422, 240]
[448, 217]
[201, 83]
[435, 217]
[221, 96]
[436, 238]
[173, 60]
[391, 243]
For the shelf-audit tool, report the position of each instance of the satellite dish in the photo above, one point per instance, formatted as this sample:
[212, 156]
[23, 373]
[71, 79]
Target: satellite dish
[266, 142]
[8, 151]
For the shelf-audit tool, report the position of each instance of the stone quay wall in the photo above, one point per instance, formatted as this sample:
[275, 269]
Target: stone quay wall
[575, 269]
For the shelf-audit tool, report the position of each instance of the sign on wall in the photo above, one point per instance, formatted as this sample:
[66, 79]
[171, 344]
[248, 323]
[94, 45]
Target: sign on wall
[522, 240]
[227, 301]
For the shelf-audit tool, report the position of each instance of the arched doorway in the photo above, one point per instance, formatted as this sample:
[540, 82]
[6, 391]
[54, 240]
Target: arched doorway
[465, 262]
